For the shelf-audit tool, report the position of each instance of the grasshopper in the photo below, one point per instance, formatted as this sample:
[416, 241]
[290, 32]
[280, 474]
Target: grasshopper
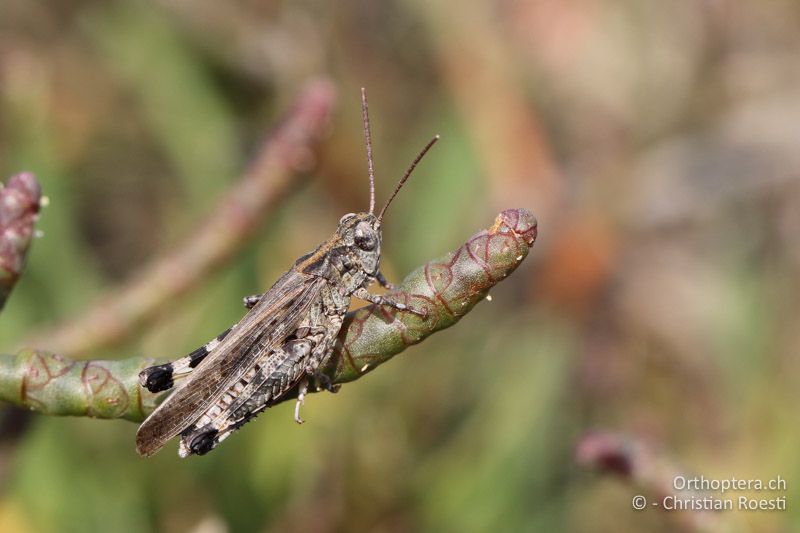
[282, 342]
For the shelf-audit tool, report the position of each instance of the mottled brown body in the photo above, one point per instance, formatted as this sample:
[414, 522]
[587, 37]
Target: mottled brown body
[284, 338]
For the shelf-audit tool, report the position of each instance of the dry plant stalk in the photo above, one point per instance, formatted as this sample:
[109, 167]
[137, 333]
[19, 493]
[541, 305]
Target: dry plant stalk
[286, 153]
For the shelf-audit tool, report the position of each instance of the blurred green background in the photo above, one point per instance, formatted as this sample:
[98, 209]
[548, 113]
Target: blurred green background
[657, 143]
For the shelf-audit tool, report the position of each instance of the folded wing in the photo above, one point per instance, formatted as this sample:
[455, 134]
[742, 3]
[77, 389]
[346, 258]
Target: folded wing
[275, 316]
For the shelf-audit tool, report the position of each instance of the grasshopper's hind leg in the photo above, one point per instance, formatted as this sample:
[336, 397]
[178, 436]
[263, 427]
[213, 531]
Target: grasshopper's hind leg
[162, 377]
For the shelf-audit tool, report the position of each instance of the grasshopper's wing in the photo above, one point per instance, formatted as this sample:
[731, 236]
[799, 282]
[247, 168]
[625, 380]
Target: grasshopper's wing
[275, 316]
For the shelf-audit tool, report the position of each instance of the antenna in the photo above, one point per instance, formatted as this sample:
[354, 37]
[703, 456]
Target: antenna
[407, 174]
[368, 137]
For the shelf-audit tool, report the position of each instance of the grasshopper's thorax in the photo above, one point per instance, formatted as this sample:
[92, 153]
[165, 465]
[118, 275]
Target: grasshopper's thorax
[351, 257]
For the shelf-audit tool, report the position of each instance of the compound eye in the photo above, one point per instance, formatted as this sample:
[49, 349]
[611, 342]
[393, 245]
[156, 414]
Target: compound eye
[364, 240]
[346, 218]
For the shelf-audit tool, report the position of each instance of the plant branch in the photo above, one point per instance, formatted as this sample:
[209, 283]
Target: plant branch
[447, 288]
[19, 209]
[285, 153]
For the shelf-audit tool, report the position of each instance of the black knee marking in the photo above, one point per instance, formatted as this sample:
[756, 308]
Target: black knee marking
[157, 378]
[200, 441]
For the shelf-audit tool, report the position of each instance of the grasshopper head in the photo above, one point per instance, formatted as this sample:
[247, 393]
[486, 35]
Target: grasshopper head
[361, 234]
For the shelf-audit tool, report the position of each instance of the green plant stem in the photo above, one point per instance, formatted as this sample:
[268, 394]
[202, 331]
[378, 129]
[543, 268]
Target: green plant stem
[447, 288]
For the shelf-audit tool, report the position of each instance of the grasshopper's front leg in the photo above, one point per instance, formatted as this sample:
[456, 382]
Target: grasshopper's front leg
[162, 377]
[377, 299]
[383, 282]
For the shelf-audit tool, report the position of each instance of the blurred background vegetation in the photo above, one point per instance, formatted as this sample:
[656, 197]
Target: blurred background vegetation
[657, 143]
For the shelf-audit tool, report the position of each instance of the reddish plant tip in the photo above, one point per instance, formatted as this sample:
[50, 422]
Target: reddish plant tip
[20, 198]
[19, 207]
[520, 221]
[605, 452]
